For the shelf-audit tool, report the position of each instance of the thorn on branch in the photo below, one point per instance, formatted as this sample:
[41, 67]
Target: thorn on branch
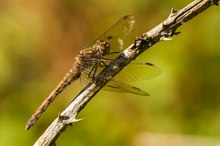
[68, 120]
[71, 121]
[173, 12]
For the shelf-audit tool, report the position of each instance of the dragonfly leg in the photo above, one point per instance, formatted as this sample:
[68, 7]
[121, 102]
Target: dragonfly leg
[93, 71]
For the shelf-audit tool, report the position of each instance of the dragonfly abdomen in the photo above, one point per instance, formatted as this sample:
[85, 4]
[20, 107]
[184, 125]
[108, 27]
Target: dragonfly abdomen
[71, 75]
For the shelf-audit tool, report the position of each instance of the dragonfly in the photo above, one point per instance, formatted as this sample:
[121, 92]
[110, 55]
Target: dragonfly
[94, 58]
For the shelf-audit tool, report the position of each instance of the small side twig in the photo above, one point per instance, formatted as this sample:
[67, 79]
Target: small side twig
[162, 32]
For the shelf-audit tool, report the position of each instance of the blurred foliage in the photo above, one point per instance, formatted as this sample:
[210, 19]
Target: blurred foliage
[38, 41]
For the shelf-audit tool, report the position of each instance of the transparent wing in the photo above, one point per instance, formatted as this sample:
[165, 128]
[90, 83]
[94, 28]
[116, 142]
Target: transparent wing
[114, 85]
[133, 72]
[115, 35]
[138, 71]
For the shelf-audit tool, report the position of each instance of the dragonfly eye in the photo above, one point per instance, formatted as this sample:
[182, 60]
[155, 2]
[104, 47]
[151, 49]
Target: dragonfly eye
[102, 47]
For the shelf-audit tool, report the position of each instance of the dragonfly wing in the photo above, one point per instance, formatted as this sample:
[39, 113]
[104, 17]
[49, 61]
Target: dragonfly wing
[137, 72]
[117, 86]
[115, 34]
[133, 72]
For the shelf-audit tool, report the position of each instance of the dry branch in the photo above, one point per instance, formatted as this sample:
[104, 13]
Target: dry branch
[162, 32]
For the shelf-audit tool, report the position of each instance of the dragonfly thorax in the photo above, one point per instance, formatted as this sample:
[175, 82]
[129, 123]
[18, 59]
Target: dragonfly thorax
[102, 47]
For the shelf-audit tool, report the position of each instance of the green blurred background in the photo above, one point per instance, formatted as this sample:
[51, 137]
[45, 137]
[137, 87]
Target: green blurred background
[39, 39]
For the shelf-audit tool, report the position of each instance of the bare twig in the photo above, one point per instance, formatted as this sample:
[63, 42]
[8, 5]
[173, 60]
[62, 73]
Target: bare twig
[162, 32]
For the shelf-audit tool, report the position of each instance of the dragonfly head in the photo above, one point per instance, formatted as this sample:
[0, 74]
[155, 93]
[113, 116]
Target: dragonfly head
[102, 47]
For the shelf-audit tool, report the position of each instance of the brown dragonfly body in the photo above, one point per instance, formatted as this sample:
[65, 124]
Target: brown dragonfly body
[97, 55]
[97, 50]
